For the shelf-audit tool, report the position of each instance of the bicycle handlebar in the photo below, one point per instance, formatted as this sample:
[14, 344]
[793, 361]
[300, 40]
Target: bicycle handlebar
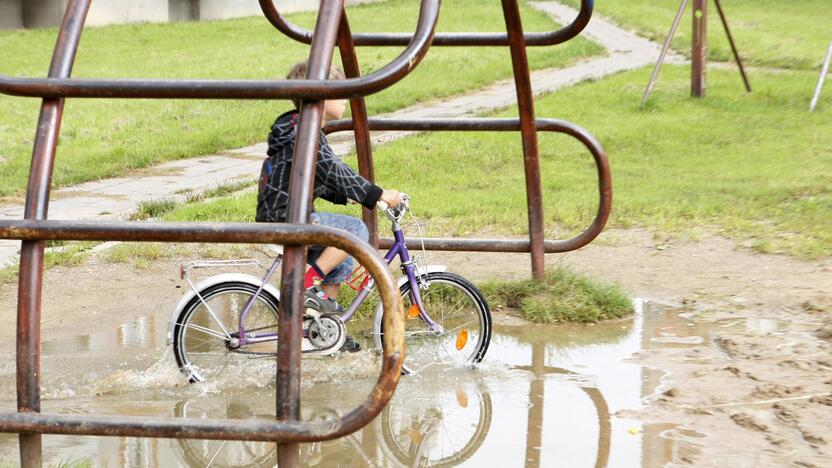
[395, 213]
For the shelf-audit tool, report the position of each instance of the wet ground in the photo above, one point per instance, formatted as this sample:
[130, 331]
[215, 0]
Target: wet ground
[544, 395]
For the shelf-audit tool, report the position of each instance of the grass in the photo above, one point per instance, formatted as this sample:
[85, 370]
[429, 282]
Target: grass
[107, 138]
[769, 33]
[562, 296]
[141, 255]
[153, 209]
[58, 253]
[752, 167]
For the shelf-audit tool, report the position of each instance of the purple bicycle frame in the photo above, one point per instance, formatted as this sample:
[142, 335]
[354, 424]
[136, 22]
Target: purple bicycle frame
[408, 267]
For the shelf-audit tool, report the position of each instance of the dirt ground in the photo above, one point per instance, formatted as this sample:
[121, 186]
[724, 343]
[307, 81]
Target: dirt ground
[760, 398]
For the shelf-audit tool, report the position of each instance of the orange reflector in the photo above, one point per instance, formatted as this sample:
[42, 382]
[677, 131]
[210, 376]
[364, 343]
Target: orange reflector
[413, 311]
[461, 397]
[461, 339]
[415, 436]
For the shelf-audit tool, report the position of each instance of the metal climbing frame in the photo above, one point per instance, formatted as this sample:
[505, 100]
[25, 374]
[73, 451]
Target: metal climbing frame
[332, 27]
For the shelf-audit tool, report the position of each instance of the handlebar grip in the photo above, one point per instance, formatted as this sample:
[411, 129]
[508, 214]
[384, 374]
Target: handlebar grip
[382, 205]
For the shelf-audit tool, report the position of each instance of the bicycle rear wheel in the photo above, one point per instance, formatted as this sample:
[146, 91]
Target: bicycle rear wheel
[459, 308]
[205, 330]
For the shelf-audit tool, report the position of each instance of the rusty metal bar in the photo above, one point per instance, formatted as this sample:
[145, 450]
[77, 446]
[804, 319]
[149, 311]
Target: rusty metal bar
[363, 145]
[301, 186]
[259, 430]
[443, 39]
[724, 20]
[237, 89]
[30, 284]
[332, 26]
[531, 159]
[699, 48]
[506, 125]
[665, 47]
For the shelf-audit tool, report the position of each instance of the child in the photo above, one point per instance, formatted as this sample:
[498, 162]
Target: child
[334, 181]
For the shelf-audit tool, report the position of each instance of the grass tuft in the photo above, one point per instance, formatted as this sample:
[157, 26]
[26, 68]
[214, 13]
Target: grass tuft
[153, 209]
[227, 189]
[562, 296]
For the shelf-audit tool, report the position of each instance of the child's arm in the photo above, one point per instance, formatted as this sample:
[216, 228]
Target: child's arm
[333, 197]
[340, 179]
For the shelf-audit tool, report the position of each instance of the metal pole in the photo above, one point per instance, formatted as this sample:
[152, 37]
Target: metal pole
[655, 76]
[699, 48]
[733, 46]
[31, 252]
[290, 319]
[363, 144]
[531, 160]
[823, 72]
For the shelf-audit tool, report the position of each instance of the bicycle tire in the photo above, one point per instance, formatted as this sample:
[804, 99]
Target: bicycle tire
[442, 287]
[199, 345]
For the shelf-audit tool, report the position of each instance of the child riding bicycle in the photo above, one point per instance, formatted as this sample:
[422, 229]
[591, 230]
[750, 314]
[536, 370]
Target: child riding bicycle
[335, 182]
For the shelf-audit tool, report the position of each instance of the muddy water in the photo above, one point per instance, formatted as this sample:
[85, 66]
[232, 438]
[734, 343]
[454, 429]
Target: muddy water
[545, 395]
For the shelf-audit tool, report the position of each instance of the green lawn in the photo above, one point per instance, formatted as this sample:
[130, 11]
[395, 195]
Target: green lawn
[753, 167]
[106, 138]
[773, 33]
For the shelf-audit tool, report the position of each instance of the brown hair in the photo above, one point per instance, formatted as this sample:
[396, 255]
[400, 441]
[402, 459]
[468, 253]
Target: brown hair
[298, 72]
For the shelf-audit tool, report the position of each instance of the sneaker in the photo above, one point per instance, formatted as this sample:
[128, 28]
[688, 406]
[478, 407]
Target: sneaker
[315, 298]
[350, 345]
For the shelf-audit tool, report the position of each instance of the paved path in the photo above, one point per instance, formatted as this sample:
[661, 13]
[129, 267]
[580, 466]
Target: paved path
[116, 198]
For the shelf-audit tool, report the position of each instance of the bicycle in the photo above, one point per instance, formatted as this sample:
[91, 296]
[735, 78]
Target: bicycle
[234, 315]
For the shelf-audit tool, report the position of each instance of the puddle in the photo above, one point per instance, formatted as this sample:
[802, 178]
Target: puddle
[545, 396]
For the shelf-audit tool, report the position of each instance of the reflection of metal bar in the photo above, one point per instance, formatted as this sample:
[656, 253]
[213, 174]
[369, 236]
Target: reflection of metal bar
[824, 71]
[534, 430]
[503, 125]
[663, 54]
[286, 234]
[531, 156]
[237, 89]
[733, 46]
[30, 286]
[290, 318]
[443, 39]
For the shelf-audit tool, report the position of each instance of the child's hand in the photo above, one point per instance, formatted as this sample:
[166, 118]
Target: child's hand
[393, 198]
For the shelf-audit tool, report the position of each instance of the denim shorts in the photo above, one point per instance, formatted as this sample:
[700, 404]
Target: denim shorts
[343, 271]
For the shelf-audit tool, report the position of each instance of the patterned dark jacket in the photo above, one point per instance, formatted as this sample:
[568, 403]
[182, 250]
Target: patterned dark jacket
[334, 180]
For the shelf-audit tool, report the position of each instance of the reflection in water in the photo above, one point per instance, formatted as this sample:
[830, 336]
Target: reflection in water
[227, 454]
[546, 395]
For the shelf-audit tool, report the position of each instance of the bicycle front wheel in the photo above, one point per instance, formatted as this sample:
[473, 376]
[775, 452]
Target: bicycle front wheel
[461, 313]
[205, 336]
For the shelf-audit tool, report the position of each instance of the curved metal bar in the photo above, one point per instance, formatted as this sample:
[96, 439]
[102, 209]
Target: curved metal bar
[301, 181]
[506, 125]
[255, 430]
[30, 285]
[391, 73]
[442, 39]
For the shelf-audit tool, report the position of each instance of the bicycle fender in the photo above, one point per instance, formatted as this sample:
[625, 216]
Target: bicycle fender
[422, 272]
[211, 281]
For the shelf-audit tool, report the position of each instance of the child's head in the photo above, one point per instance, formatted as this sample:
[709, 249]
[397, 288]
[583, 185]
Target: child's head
[333, 108]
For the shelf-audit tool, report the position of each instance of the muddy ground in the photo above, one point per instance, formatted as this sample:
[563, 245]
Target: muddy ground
[761, 397]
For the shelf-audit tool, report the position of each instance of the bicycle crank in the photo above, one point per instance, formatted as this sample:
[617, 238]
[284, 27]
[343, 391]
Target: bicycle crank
[326, 334]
